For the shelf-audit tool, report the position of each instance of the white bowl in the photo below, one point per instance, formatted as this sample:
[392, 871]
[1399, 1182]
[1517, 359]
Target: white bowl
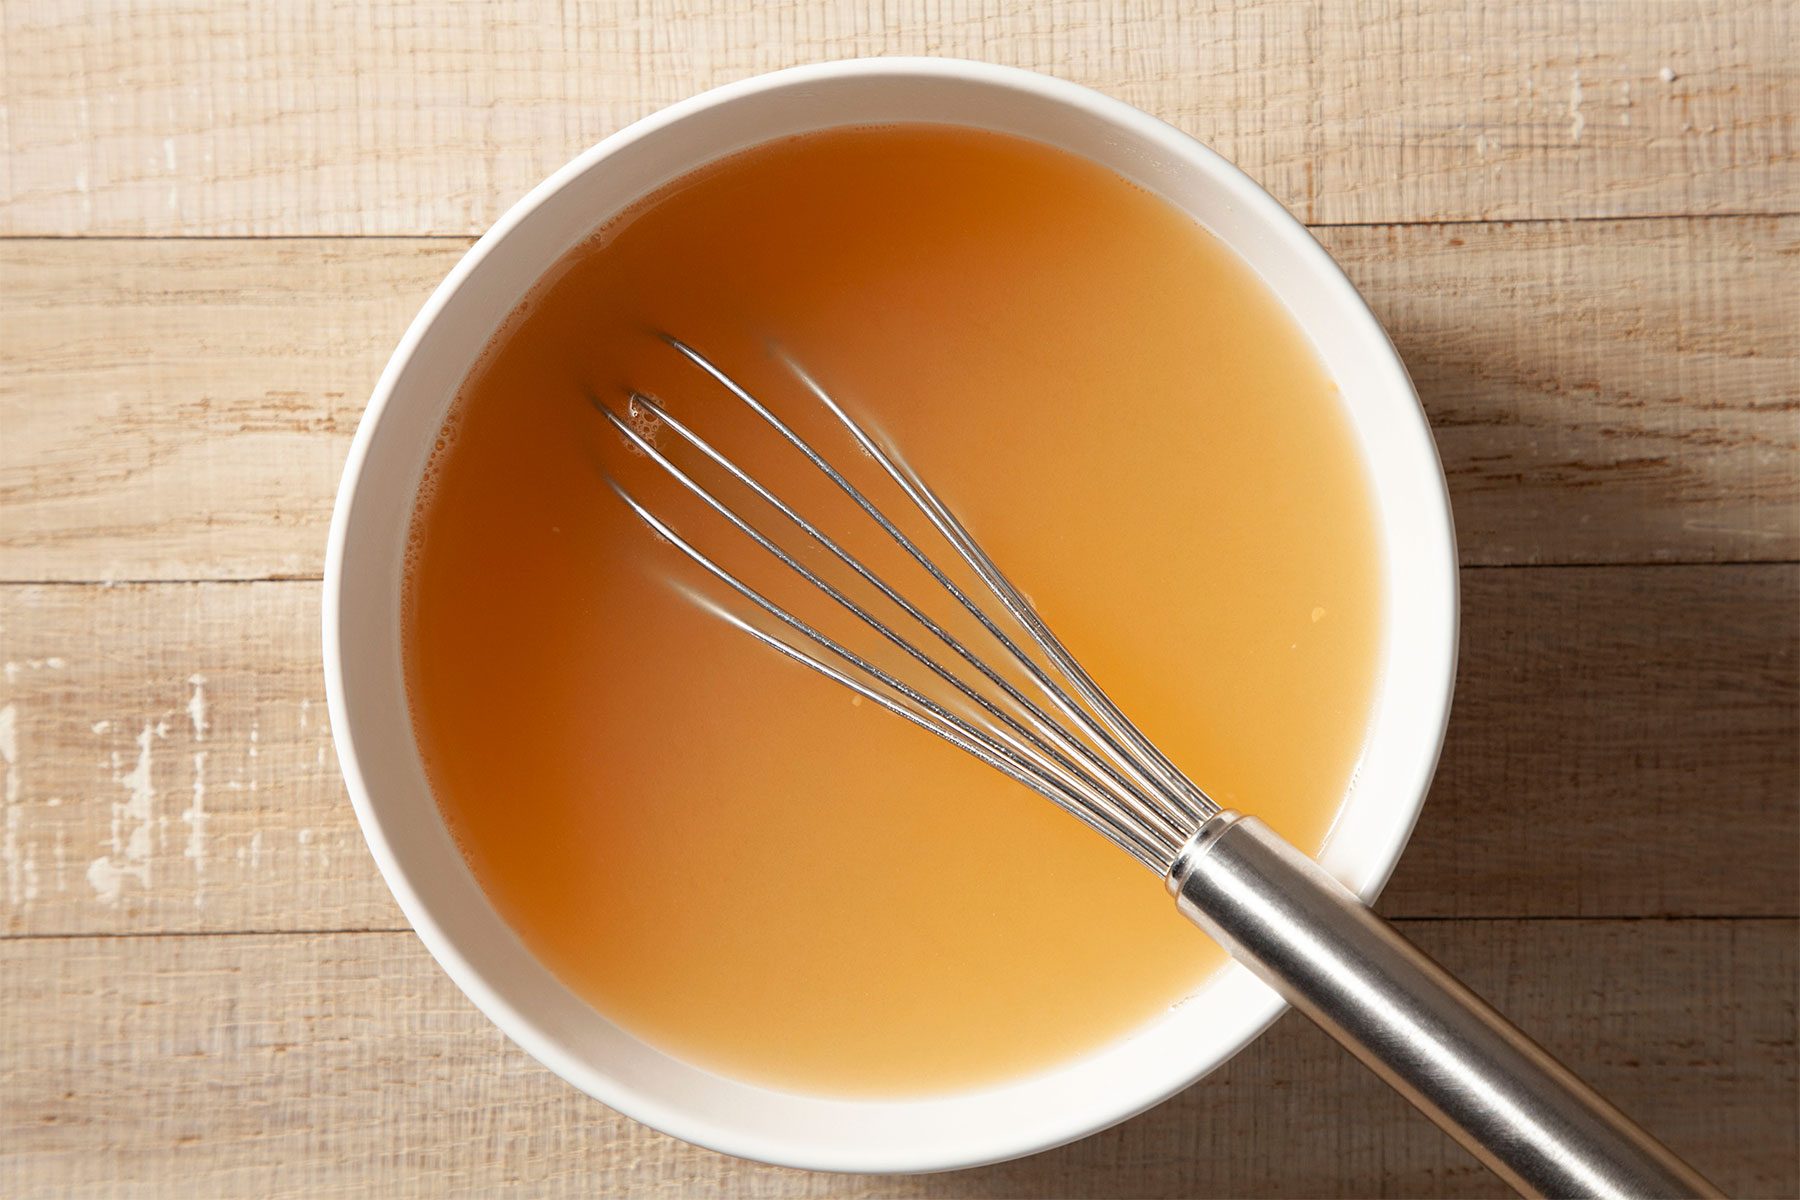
[363, 639]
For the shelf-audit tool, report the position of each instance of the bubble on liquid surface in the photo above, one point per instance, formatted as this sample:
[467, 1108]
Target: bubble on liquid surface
[643, 422]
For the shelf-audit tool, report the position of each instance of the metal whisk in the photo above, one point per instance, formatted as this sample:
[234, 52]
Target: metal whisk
[1027, 708]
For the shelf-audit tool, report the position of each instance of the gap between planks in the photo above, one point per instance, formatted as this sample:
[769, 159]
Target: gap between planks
[142, 935]
[179, 581]
[471, 238]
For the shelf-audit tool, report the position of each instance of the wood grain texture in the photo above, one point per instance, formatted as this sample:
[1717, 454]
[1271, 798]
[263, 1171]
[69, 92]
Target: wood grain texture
[1600, 391]
[349, 1065]
[182, 409]
[166, 117]
[170, 767]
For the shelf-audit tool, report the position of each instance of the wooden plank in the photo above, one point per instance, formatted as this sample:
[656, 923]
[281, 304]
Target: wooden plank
[204, 117]
[169, 767]
[1601, 392]
[348, 1065]
[1600, 714]
[179, 409]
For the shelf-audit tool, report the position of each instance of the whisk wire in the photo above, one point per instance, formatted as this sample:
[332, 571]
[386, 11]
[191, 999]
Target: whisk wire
[1194, 804]
[1121, 834]
[1107, 774]
[1096, 810]
[1147, 763]
[1143, 804]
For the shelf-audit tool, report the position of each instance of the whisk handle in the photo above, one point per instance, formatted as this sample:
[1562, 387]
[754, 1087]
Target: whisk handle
[1441, 1046]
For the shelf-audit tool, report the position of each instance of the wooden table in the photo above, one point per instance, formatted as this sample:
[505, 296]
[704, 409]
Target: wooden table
[1580, 221]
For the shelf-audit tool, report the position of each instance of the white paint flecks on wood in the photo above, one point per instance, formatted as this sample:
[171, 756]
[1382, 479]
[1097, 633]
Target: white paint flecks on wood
[19, 861]
[195, 814]
[169, 768]
[21, 882]
[133, 823]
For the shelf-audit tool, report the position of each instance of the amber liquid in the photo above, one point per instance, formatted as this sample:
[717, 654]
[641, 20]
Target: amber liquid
[731, 857]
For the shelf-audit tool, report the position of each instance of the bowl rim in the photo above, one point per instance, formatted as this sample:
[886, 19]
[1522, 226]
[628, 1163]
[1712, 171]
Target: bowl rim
[1260, 1007]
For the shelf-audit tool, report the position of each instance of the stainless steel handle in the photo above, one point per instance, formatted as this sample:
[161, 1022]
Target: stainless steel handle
[1441, 1046]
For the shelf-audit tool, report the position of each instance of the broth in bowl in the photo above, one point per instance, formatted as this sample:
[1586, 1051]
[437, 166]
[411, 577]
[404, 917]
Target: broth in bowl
[730, 857]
